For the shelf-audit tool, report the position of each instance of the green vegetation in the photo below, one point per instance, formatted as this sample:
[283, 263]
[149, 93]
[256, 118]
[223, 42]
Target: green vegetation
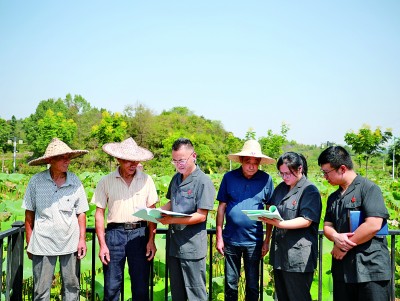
[81, 126]
[367, 143]
[12, 188]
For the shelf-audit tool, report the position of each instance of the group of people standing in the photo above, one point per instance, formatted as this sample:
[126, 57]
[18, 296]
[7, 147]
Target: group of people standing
[293, 248]
[55, 220]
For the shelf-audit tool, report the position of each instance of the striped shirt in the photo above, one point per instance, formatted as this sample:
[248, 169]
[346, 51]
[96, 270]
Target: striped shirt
[124, 200]
[56, 228]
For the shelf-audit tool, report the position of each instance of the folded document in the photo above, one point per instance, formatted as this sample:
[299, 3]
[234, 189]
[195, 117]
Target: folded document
[151, 214]
[271, 213]
[357, 218]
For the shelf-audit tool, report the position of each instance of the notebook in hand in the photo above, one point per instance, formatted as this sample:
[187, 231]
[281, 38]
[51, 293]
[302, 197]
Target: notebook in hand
[151, 214]
[357, 218]
[271, 213]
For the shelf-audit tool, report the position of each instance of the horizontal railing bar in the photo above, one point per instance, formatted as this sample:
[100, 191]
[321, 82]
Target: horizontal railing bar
[20, 228]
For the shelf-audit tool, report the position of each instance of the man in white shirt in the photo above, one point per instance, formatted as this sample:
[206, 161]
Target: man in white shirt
[127, 238]
[55, 221]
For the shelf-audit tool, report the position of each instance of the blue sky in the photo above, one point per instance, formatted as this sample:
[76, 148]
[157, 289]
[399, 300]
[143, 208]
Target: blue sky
[323, 67]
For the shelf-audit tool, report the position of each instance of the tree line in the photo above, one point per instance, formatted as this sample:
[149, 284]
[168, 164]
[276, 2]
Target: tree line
[82, 126]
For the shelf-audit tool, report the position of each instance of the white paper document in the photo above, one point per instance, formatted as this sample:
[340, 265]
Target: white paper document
[151, 214]
[271, 213]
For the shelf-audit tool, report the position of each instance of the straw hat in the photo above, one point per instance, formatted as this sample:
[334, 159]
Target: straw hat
[251, 148]
[56, 148]
[128, 150]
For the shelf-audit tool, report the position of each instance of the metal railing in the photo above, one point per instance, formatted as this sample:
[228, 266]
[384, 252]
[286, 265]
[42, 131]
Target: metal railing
[15, 261]
[15, 256]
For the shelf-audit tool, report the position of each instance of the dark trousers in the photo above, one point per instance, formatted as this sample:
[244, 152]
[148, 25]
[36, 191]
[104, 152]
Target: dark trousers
[251, 261]
[366, 291]
[291, 286]
[127, 245]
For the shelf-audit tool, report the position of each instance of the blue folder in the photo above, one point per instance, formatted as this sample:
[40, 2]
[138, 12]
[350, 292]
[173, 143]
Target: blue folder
[357, 218]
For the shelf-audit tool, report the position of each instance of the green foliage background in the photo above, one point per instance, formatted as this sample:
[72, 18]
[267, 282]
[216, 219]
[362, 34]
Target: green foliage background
[82, 126]
[12, 188]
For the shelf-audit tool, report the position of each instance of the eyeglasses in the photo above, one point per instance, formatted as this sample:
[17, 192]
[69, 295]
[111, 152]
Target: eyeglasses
[284, 174]
[182, 161]
[325, 173]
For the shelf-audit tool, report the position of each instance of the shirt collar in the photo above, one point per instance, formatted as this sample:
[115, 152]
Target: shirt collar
[68, 180]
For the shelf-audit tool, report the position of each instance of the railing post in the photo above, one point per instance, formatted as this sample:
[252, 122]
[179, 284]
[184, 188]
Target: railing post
[393, 263]
[261, 285]
[320, 242]
[151, 292]
[1, 267]
[210, 273]
[15, 256]
[15, 263]
[167, 242]
[93, 278]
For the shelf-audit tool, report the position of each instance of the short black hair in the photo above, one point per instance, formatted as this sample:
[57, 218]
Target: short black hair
[182, 142]
[336, 156]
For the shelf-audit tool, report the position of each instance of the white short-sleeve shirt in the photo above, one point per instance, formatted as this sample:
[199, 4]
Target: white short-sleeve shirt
[56, 228]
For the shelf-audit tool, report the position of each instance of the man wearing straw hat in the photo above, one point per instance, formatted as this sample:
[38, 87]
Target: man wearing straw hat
[127, 237]
[241, 189]
[55, 221]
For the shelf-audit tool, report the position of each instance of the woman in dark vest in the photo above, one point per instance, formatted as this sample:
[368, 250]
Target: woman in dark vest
[294, 247]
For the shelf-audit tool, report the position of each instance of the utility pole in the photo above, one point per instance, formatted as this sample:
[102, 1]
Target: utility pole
[14, 142]
[394, 151]
[15, 153]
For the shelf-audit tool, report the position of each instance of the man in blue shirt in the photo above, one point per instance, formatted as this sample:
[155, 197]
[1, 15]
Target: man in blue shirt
[241, 189]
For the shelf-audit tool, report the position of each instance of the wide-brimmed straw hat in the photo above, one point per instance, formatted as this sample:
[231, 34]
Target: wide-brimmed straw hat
[57, 148]
[127, 150]
[251, 148]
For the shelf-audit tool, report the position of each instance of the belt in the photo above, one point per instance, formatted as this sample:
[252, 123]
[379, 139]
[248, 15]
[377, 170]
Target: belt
[127, 226]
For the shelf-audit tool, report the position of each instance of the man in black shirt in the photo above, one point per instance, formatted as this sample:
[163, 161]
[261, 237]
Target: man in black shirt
[360, 260]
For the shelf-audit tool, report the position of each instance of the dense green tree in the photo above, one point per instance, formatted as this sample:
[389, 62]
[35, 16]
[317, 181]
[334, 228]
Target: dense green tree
[50, 126]
[57, 106]
[250, 134]
[13, 125]
[367, 143]
[156, 132]
[112, 128]
[5, 134]
[183, 111]
[394, 149]
[231, 144]
[85, 123]
[272, 144]
[76, 105]
[140, 124]
[30, 124]
[208, 137]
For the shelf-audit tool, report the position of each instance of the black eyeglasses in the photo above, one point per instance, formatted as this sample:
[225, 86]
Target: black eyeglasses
[182, 161]
[284, 174]
[325, 173]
